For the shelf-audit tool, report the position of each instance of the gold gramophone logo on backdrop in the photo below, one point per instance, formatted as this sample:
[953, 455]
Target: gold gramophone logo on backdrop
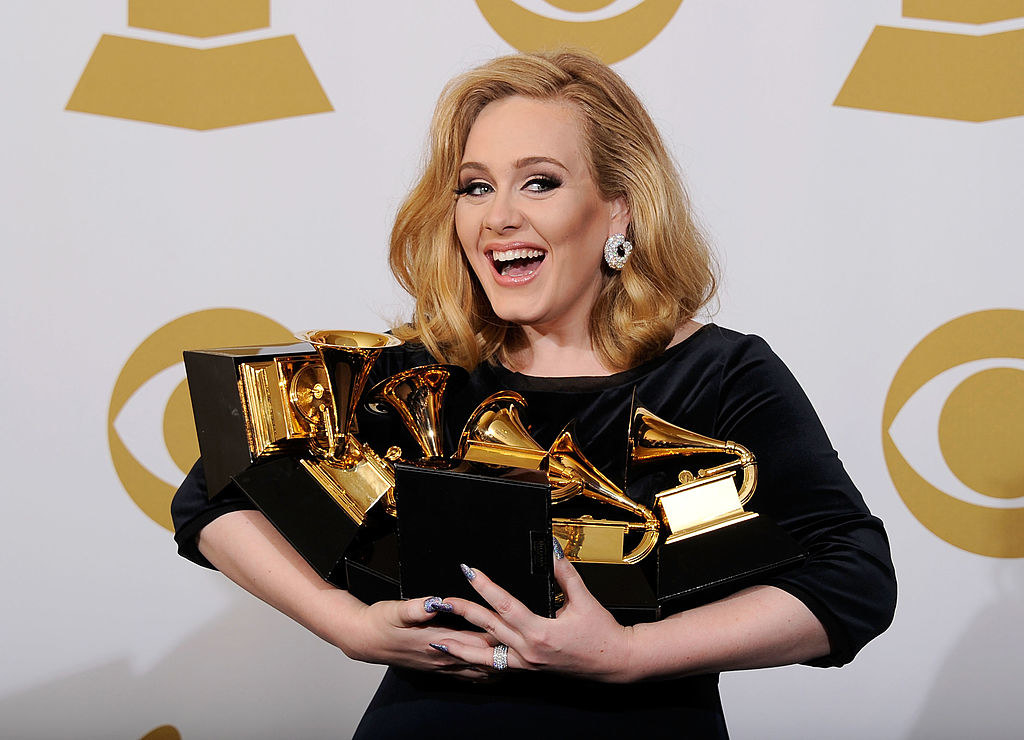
[150, 414]
[612, 38]
[960, 75]
[199, 88]
[953, 432]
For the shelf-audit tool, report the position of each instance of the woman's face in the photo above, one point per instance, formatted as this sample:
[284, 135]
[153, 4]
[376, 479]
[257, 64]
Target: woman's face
[529, 216]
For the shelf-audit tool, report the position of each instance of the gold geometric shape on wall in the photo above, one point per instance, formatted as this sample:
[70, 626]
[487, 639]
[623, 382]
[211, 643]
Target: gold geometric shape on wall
[215, 327]
[199, 18]
[979, 431]
[611, 39]
[194, 88]
[942, 75]
[964, 11]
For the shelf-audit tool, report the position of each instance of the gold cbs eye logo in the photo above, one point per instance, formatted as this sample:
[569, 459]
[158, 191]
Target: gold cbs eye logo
[145, 413]
[961, 470]
[611, 38]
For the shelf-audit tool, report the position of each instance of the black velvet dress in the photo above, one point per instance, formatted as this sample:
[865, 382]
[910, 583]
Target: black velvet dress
[718, 383]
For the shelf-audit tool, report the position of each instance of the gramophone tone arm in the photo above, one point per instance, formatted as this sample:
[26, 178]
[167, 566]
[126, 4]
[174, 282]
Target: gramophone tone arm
[744, 461]
[332, 440]
[647, 543]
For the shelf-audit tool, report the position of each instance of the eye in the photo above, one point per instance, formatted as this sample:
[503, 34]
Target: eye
[948, 404]
[474, 188]
[542, 184]
[140, 425]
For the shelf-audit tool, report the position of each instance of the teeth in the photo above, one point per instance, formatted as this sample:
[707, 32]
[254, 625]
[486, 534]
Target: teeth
[516, 254]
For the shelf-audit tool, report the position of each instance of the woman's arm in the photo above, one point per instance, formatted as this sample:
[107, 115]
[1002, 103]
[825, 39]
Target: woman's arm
[759, 627]
[755, 628]
[251, 552]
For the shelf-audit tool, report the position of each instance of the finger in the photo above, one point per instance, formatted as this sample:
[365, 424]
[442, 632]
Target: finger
[483, 657]
[473, 675]
[464, 637]
[496, 629]
[450, 652]
[569, 579]
[418, 611]
[510, 609]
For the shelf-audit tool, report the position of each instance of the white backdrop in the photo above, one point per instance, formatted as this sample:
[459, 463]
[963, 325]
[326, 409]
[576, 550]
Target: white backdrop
[847, 235]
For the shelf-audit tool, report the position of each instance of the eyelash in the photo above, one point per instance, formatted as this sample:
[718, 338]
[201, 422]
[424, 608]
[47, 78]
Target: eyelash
[546, 183]
[469, 187]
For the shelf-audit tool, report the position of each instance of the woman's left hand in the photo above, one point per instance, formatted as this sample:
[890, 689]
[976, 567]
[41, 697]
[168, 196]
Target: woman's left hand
[582, 640]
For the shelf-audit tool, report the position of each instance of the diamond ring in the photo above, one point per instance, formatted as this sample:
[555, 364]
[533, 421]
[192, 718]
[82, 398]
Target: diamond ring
[500, 660]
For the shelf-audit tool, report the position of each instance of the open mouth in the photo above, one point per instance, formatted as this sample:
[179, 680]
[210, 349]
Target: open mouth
[517, 263]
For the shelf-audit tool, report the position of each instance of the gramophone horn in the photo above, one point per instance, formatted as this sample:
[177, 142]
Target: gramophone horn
[652, 439]
[496, 435]
[710, 500]
[416, 395]
[348, 357]
[351, 472]
[567, 460]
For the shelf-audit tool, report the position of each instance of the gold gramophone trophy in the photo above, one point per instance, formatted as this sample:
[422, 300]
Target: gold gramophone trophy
[373, 566]
[447, 513]
[495, 435]
[276, 421]
[349, 470]
[711, 545]
[704, 501]
[416, 396]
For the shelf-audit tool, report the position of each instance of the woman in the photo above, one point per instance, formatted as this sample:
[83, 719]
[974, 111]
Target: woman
[550, 250]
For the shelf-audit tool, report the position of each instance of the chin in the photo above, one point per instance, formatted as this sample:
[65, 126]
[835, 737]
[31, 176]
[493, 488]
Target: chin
[519, 317]
[523, 308]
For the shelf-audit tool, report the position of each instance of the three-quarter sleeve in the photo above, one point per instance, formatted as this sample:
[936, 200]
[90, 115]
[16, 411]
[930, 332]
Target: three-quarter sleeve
[848, 581]
[192, 509]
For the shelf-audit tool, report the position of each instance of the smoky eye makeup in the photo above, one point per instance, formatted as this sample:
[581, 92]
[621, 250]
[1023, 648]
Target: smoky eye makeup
[473, 187]
[542, 183]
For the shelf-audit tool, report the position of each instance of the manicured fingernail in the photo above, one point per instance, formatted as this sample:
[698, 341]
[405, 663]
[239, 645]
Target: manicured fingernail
[558, 549]
[439, 648]
[436, 604]
[467, 571]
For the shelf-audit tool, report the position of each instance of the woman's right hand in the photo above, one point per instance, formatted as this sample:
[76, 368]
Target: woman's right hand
[400, 633]
[247, 548]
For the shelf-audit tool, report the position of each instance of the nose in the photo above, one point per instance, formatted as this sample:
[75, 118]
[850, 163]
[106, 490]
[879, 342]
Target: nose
[503, 213]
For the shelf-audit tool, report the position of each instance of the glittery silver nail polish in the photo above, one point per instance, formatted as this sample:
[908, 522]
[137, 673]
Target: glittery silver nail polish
[434, 604]
[440, 648]
[467, 571]
[558, 549]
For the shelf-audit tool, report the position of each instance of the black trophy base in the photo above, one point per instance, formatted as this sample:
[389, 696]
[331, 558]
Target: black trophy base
[707, 567]
[692, 571]
[371, 564]
[497, 524]
[303, 512]
[219, 408]
[624, 590]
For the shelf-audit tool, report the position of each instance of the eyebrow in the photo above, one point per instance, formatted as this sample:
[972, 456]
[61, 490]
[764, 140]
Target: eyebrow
[518, 164]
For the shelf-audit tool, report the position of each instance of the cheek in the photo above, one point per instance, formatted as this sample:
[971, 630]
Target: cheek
[465, 226]
[466, 231]
[581, 228]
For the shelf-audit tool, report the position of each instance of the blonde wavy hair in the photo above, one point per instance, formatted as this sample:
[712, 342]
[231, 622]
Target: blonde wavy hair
[669, 276]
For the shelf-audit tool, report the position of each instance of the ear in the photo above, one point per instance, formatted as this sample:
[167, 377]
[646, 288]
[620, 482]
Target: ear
[618, 212]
